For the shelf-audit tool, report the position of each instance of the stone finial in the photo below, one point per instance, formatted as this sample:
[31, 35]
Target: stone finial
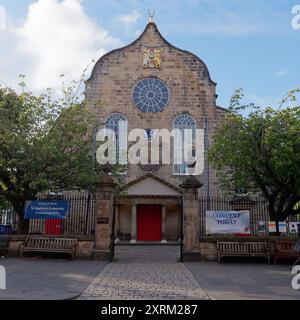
[107, 180]
[106, 169]
[151, 15]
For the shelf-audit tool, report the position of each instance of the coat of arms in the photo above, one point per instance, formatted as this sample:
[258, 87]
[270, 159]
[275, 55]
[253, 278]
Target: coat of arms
[151, 58]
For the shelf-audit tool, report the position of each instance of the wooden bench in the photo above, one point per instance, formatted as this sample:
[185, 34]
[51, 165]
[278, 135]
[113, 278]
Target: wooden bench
[285, 249]
[4, 243]
[49, 244]
[243, 249]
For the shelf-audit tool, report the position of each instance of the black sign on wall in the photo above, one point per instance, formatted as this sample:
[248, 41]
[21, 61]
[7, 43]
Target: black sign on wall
[102, 220]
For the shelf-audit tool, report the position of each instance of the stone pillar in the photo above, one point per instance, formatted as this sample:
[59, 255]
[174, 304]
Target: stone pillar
[190, 219]
[164, 224]
[133, 224]
[104, 219]
[117, 222]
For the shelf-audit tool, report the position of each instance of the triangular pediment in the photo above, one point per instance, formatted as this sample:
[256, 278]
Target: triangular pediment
[151, 185]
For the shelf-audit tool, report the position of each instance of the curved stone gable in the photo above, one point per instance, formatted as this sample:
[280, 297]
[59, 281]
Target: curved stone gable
[115, 74]
[152, 37]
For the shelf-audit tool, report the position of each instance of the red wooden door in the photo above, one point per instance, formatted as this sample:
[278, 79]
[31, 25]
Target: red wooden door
[53, 227]
[149, 222]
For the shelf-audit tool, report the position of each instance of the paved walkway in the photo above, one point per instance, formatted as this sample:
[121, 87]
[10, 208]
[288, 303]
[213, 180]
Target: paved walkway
[47, 279]
[145, 272]
[245, 280]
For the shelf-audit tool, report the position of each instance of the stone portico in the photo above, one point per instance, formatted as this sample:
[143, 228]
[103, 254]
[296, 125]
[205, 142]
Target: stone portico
[150, 210]
[142, 194]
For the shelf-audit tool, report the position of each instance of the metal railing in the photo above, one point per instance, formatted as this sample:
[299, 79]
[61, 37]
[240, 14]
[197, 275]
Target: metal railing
[79, 221]
[82, 213]
[8, 221]
[257, 206]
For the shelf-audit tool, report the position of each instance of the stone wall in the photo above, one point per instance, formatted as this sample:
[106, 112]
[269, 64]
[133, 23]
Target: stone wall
[192, 91]
[84, 249]
[124, 230]
[173, 223]
[208, 251]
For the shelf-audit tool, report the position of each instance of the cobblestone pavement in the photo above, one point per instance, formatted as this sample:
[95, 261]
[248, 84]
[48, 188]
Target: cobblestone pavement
[145, 272]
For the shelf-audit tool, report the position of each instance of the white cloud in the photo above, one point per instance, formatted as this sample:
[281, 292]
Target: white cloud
[2, 17]
[129, 20]
[56, 38]
[280, 73]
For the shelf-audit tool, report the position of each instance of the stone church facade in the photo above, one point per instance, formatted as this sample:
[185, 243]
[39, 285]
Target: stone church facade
[151, 84]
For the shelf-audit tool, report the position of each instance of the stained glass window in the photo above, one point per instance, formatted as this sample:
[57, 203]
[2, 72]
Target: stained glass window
[151, 95]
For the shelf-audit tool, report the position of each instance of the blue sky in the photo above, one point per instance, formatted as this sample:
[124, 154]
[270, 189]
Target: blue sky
[248, 44]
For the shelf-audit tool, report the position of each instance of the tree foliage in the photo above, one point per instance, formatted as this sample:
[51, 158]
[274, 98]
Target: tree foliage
[45, 144]
[260, 151]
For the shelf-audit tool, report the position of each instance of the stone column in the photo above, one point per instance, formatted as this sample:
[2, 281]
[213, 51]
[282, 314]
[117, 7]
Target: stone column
[104, 219]
[190, 219]
[133, 224]
[117, 222]
[164, 224]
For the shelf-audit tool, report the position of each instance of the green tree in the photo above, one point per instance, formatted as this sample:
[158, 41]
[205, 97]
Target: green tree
[44, 145]
[260, 150]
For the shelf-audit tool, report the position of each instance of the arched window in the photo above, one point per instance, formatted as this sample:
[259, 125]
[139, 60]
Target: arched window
[184, 127]
[117, 123]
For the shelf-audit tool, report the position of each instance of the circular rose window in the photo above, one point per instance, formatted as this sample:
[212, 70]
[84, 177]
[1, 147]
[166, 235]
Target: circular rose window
[151, 95]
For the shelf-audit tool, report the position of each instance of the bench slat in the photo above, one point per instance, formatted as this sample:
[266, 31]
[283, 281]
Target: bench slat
[242, 249]
[49, 244]
[285, 249]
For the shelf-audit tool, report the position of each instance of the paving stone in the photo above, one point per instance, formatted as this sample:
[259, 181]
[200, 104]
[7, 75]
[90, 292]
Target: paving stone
[244, 280]
[47, 278]
[145, 273]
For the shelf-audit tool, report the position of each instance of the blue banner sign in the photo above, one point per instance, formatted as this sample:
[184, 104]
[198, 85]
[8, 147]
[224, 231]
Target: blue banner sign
[5, 229]
[46, 209]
